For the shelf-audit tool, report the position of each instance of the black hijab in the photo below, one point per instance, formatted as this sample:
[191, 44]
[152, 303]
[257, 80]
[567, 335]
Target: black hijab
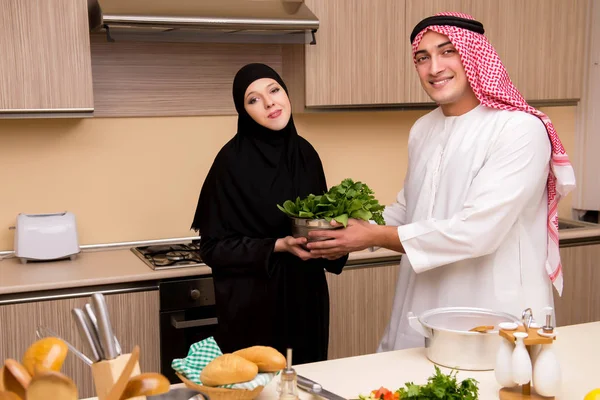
[256, 170]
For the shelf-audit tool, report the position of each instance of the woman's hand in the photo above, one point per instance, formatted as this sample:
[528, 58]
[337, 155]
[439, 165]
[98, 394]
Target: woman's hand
[294, 246]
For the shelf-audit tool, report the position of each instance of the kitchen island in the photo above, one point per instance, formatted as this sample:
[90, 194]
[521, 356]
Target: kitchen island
[577, 347]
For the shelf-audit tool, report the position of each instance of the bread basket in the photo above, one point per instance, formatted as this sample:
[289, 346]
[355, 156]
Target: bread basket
[217, 393]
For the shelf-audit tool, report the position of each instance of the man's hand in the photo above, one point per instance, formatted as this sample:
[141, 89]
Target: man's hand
[294, 246]
[358, 235]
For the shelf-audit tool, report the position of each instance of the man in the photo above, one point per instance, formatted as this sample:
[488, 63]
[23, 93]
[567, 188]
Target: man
[477, 217]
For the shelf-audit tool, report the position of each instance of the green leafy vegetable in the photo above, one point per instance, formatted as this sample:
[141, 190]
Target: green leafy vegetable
[347, 200]
[441, 387]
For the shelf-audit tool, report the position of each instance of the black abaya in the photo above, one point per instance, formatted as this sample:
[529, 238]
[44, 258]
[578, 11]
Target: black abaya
[263, 297]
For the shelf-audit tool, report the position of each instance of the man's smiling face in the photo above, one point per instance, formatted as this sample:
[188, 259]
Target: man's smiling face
[442, 74]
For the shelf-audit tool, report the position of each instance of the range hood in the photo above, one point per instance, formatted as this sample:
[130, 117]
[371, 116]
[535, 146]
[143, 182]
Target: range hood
[236, 21]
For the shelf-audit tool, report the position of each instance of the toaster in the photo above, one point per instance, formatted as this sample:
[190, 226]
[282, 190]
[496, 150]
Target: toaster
[46, 237]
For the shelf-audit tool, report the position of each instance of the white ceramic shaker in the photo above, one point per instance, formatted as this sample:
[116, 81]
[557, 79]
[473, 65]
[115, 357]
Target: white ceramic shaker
[546, 369]
[521, 363]
[503, 369]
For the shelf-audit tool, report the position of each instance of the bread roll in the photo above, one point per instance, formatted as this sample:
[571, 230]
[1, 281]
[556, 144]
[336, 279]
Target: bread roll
[267, 358]
[227, 369]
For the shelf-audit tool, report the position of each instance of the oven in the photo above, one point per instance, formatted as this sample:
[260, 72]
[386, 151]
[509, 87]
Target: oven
[187, 315]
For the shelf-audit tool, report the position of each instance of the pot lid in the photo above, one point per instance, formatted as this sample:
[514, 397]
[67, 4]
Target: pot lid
[463, 319]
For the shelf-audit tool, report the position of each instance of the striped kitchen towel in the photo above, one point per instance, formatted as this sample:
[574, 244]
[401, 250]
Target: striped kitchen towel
[202, 353]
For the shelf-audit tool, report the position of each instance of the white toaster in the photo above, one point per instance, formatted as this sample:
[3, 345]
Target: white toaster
[46, 236]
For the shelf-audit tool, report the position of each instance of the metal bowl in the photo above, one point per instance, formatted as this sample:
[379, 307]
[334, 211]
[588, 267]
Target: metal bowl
[301, 227]
[180, 394]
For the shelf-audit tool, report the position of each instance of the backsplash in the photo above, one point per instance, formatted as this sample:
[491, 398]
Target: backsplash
[139, 178]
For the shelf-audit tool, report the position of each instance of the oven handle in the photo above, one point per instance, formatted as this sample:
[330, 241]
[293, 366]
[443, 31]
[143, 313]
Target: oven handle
[179, 324]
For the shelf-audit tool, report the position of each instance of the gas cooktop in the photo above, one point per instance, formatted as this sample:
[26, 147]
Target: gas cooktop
[169, 256]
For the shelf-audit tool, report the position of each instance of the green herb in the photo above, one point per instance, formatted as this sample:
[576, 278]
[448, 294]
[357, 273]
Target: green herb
[347, 200]
[441, 387]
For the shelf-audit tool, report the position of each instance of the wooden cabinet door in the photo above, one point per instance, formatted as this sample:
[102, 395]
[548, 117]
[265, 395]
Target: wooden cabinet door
[540, 42]
[580, 301]
[45, 62]
[359, 55]
[360, 308]
[134, 317]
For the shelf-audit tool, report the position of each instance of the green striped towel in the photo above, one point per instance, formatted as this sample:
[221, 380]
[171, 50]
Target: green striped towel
[203, 352]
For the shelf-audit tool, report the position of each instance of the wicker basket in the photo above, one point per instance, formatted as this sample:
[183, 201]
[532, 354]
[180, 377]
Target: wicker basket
[216, 393]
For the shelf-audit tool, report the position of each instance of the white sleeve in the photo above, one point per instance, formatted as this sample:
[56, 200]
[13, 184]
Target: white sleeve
[515, 171]
[395, 213]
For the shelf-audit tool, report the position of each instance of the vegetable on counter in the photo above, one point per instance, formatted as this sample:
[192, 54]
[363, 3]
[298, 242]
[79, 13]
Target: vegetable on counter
[347, 200]
[439, 387]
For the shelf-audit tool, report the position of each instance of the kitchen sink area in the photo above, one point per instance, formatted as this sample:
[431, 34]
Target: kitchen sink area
[573, 232]
[573, 224]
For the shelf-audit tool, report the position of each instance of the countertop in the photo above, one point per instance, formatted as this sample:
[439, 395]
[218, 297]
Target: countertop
[108, 267]
[117, 266]
[576, 346]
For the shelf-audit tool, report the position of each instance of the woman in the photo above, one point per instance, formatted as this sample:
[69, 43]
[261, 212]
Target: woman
[269, 289]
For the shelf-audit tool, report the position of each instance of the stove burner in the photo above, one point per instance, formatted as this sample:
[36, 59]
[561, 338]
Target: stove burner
[170, 256]
[160, 260]
[178, 255]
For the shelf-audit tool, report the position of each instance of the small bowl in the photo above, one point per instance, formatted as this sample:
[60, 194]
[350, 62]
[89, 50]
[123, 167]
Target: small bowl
[301, 227]
[508, 326]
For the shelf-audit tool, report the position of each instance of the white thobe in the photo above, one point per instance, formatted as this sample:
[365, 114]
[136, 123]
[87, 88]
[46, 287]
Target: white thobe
[472, 218]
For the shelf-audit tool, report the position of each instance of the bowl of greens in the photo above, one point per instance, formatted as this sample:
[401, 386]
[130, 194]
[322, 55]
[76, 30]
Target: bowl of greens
[347, 200]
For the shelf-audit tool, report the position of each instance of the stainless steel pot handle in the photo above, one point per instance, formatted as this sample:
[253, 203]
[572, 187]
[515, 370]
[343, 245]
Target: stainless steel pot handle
[179, 324]
[414, 323]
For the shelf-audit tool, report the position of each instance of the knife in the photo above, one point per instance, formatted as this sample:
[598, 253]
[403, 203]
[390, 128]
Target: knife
[90, 316]
[93, 328]
[105, 332]
[86, 334]
[316, 389]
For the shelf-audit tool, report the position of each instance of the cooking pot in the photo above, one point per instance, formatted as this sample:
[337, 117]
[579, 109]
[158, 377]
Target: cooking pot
[448, 341]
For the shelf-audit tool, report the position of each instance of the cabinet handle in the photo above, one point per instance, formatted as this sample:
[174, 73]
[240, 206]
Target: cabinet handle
[179, 324]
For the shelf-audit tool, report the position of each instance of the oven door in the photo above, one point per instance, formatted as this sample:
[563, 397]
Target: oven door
[181, 329]
[188, 315]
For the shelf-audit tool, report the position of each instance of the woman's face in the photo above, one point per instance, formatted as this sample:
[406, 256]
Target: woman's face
[268, 104]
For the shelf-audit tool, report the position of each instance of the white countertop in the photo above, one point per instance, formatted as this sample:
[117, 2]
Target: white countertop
[577, 347]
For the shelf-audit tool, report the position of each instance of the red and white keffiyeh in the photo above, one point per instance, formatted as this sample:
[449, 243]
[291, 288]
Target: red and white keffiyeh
[492, 86]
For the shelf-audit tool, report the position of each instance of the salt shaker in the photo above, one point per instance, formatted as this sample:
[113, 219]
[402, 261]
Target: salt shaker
[521, 363]
[288, 385]
[503, 368]
[547, 373]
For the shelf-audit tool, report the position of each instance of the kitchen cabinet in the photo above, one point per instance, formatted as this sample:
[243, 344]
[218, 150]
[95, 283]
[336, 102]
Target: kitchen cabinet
[360, 308]
[580, 301]
[359, 55]
[540, 42]
[46, 63]
[134, 317]
[363, 55]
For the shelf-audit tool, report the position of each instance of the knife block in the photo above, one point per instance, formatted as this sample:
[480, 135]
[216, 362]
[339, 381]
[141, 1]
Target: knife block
[107, 372]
